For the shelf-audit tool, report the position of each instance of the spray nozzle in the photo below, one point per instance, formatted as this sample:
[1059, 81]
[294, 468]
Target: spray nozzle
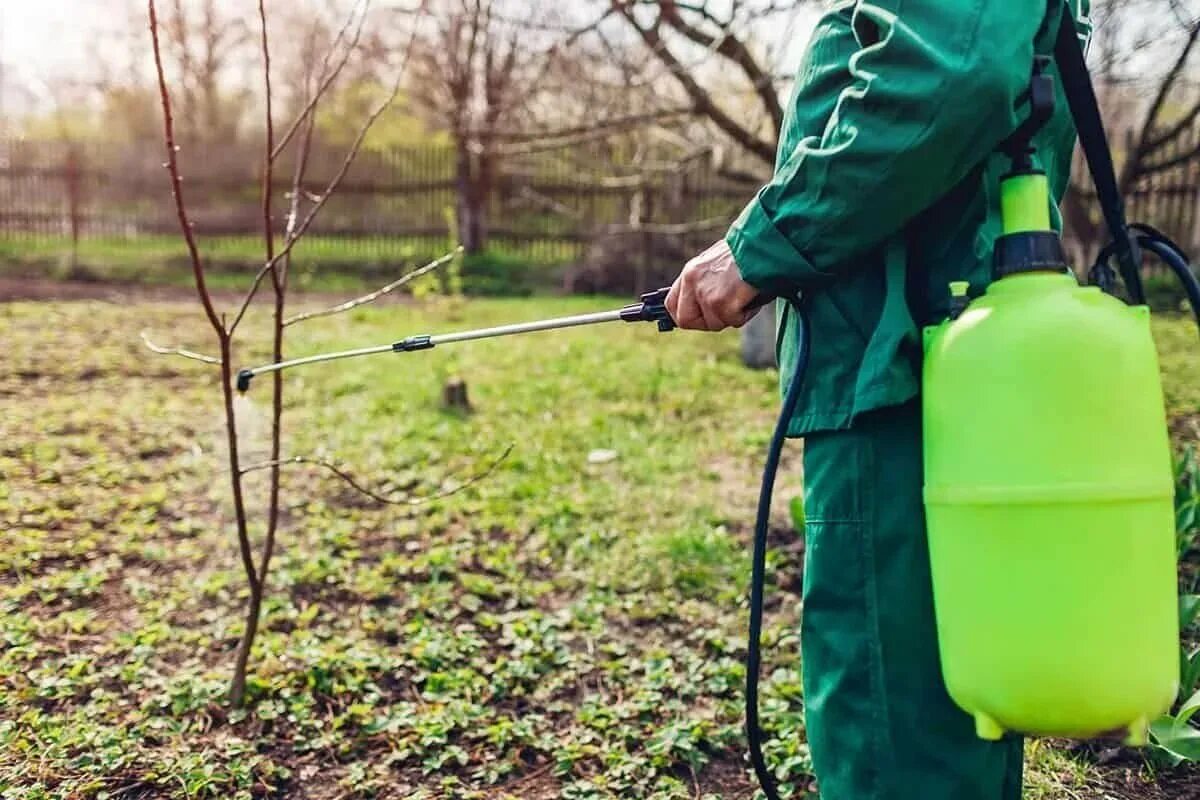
[652, 308]
[243, 379]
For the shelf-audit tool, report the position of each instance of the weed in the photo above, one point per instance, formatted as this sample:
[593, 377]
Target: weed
[573, 625]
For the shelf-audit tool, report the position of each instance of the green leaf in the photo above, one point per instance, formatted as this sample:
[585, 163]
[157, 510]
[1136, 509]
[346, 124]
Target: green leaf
[1189, 708]
[1189, 608]
[1189, 671]
[796, 507]
[1181, 741]
[307, 615]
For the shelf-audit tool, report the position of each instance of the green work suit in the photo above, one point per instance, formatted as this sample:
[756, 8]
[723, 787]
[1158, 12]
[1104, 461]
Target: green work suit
[886, 188]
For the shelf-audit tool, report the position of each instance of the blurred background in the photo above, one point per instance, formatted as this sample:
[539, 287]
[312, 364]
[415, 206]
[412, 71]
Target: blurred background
[587, 146]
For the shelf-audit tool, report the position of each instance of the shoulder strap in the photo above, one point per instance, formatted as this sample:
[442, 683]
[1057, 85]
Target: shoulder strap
[1085, 110]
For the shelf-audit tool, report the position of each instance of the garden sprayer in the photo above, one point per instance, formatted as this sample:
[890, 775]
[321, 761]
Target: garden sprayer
[1048, 482]
[650, 308]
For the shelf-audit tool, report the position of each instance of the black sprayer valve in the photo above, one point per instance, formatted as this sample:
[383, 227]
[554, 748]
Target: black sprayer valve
[1019, 146]
[423, 342]
[652, 308]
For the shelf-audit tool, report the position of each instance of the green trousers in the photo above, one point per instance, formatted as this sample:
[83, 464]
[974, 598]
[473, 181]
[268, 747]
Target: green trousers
[880, 724]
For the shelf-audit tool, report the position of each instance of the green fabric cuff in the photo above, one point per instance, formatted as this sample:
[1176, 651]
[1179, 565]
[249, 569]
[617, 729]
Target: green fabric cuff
[765, 257]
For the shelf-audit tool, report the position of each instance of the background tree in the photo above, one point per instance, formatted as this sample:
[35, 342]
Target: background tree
[206, 46]
[478, 72]
[727, 71]
[256, 543]
[727, 62]
[1144, 63]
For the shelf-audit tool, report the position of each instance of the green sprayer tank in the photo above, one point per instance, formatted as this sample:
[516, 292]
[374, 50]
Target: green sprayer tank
[1048, 490]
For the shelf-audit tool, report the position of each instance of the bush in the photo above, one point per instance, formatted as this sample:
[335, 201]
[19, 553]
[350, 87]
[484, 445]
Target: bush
[1163, 293]
[494, 273]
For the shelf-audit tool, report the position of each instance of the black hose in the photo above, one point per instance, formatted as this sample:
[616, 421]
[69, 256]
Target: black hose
[1151, 239]
[1156, 242]
[754, 732]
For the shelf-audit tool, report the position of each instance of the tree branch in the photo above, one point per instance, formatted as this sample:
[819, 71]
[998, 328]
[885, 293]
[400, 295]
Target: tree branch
[1176, 130]
[330, 188]
[177, 351]
[611, 124]
[378, 293]
[172, 166]
[218, 324]
[1134, 165]
[379, 498]
[1163, 166]
[269, 160]
[318, 205]
[327, 76]
[279, 284]
[731, 48]
[672, 229]
[549, 204]
[702, 101]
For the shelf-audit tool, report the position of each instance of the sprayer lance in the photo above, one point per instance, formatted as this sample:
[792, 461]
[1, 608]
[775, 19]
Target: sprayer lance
[650, 308]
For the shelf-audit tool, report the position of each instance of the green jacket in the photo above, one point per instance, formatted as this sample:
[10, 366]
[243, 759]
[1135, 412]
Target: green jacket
[886, 186]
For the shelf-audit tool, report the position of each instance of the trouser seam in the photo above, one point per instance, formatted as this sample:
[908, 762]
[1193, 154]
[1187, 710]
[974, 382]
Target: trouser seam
[870, 514]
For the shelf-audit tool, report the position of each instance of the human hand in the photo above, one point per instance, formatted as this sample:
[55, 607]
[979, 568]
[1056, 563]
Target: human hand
[710, 295]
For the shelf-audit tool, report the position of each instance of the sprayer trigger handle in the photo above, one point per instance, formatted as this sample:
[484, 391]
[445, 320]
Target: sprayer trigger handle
[651, 308]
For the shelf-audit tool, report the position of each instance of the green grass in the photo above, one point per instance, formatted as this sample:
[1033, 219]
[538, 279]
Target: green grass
[561, 628]
[320, 263]
[1179, 357]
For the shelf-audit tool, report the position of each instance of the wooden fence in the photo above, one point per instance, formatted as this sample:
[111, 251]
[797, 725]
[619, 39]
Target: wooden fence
[548, 207]
[1168, 199]
[587, 203]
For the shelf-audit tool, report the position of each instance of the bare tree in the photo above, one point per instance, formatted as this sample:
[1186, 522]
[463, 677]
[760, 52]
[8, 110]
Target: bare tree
[713, 57]
[479, 71]
[1143, 61]
[205, 45]
[256, 556]
[717, 58]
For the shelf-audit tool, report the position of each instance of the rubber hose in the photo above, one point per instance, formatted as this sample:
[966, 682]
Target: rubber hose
[1171, 255]
[759, 562]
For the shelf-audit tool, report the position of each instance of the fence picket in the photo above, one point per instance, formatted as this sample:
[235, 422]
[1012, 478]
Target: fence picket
[547, 207]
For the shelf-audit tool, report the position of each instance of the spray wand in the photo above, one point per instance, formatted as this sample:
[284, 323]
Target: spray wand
[651, 307]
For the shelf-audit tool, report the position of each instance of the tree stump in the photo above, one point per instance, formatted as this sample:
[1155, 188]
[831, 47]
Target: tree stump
[454, 395]
[758, 340]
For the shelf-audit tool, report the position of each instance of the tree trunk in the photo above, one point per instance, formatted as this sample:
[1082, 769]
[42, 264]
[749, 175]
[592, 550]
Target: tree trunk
[74, 181]
[758, 340]
[237, 690]
[473, 185]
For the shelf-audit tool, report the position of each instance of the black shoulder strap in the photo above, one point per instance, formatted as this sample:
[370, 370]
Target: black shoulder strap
[1085, 110]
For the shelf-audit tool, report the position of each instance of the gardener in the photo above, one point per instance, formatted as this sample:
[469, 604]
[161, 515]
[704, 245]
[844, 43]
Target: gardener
[885, 190]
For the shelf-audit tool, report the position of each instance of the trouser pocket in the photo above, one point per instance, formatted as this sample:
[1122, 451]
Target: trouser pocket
[880, 724]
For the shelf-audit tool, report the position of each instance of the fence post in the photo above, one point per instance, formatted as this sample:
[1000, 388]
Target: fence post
[645, 217]
[1195, 232]
[73, 177]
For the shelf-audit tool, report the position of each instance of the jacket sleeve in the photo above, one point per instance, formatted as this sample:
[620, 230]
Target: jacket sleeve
[933, 88]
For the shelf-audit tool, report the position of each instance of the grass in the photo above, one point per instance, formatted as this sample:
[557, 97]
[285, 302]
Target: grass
[1179, 357]
[321, 263]
[567, 627]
